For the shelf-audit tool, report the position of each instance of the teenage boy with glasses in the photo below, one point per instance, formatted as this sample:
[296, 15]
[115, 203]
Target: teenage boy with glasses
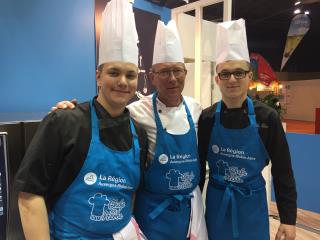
[238, 137]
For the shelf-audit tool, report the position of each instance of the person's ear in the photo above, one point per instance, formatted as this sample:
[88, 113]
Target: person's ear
[151, 76]
[216, 78]
[98, 77]
[250, 75]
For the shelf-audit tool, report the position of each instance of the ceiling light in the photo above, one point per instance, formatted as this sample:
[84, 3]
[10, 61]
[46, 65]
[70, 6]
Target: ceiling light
[297, 11]
[297, 3]
[307, 12]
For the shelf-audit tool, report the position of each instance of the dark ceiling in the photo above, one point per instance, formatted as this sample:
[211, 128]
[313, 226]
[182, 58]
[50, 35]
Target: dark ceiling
[267, 24]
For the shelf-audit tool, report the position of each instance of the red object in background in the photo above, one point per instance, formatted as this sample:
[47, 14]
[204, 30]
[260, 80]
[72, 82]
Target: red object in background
[265, 73]
[317, 123]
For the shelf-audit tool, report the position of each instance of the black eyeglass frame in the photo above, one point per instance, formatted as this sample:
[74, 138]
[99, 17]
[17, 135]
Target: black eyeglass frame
[244, 72]
[167, 73]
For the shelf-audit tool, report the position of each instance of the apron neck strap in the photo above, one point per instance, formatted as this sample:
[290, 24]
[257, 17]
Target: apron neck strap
[135, 141]
[251, 114]
[95, 135]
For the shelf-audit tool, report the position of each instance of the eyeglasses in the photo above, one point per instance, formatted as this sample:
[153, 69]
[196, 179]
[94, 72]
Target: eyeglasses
[238, 74]
[177, 73]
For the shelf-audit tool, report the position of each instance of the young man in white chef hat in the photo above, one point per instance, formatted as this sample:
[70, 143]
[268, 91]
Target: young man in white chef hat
[78, 177]
[238, 137]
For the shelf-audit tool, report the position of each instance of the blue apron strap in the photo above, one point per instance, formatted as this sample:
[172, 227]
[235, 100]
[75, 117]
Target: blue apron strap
[251, 114]
[95, 134]
[217, 115]
[156, 117]
[135, 142]
[234, 216]
[190, 120]
[166, 203]
[228, 196]
[158, 210]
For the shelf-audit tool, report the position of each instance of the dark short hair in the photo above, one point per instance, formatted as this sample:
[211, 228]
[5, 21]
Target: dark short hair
[248, 65]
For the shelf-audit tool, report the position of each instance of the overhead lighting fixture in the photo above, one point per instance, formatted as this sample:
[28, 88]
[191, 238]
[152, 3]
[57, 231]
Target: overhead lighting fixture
[297, 11]
[297, 3]
[307, 12]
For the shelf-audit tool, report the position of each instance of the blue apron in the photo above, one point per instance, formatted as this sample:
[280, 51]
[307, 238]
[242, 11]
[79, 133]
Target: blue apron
[163, 206]
[236, 203]
[98, 203]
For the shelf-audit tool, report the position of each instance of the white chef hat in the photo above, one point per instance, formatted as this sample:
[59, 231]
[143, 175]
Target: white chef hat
[231, 41]
[118, 36]
[167, 44]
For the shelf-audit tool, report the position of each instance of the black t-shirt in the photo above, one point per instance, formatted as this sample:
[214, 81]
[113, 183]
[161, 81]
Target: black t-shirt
[60, 145]
[273, 137]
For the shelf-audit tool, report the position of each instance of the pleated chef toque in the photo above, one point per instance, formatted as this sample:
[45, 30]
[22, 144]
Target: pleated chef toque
[118, 36]
[231, 41]
[167, 44]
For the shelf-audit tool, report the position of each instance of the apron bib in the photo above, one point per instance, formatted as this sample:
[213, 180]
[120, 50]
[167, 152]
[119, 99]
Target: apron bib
[236, 203]
[98, 202]
[163, 207]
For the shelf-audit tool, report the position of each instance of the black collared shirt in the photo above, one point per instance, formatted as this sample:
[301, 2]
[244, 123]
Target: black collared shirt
[60, 145]
[273, 137]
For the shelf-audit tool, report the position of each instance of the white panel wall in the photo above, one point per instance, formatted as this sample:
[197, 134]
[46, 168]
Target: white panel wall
[301, 98]
[186, 26]
[205, 87]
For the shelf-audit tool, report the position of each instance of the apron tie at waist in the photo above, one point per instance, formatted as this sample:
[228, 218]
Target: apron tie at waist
[228, 196]
[167, 202]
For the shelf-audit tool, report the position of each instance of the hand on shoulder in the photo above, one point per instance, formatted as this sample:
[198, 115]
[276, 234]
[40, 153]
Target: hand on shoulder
[65, 104]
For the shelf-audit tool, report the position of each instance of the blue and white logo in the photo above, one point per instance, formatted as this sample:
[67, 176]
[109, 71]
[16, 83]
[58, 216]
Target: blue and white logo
[90, 178]
[215, 149]
[163, 158]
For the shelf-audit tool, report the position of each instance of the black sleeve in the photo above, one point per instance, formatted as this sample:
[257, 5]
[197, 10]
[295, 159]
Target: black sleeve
[40, 163]
[283, 178]
[204, 132]
[143, 142]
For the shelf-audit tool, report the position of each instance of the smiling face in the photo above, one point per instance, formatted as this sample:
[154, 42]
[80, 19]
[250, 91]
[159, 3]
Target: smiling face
[117, 83]
[234, 90]
[169, 78]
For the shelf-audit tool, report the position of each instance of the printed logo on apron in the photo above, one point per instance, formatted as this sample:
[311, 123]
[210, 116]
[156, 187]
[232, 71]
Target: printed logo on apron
[178, 180]
[231, 173]
[105, 209]
[163, 159]
[90, 178]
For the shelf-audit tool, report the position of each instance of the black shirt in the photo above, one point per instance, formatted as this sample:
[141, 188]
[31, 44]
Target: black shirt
[60, 145]
[273, 137]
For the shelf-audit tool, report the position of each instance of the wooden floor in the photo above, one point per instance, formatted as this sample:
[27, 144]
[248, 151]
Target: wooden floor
[296, 126]
[308, 224]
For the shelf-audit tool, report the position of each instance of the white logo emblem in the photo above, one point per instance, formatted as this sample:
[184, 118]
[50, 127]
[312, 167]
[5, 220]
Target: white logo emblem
[105, 209]
[215, 149]
[163, 158]
[90, 178]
